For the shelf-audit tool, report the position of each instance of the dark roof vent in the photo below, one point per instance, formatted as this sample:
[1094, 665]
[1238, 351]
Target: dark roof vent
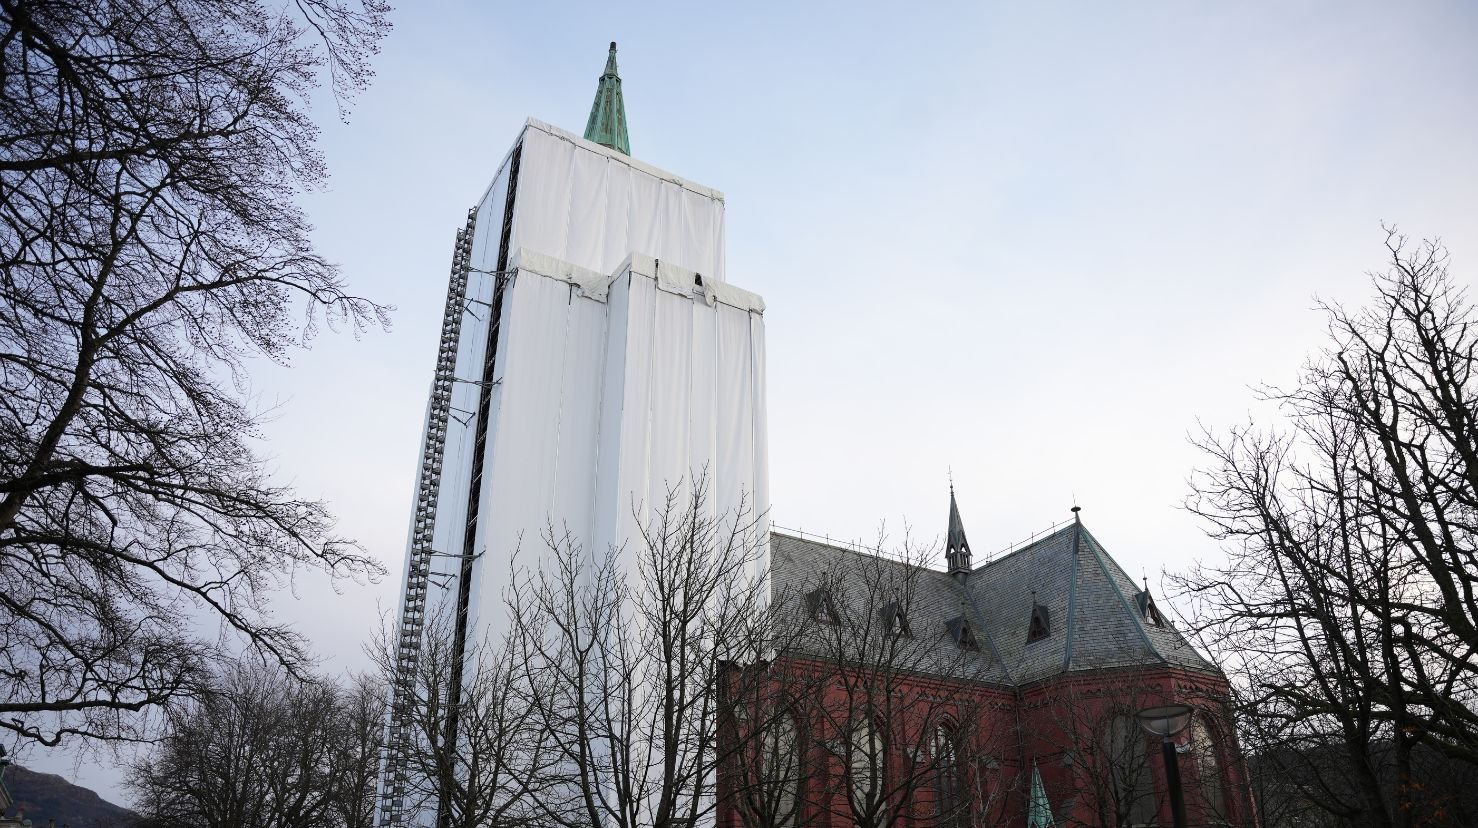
[821, 607]
[964, 637]
[1041, 624]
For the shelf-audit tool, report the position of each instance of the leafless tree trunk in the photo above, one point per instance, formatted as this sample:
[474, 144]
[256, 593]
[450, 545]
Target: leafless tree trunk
[497, 765]
[355, 762]
[150, 245]
[625, 653]
[1108, 757]
[893, 708]
[1347, 610]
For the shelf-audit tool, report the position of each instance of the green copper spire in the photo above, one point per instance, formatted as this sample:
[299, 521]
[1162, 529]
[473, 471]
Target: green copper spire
[607, 124]
[1039, 811]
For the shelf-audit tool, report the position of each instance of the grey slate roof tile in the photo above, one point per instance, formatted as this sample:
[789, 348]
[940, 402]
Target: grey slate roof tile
[1095, 621]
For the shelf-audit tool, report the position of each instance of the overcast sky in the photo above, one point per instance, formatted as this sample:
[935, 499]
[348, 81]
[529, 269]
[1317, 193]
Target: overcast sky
[1036, 244]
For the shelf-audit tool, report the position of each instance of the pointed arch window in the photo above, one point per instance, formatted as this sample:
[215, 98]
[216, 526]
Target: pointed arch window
[780, 773]
[867, 767]
[949, 776]
[1209, 771]
[1130, 785]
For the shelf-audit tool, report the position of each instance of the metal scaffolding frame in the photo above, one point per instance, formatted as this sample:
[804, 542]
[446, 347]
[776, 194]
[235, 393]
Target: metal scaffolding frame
[398, 738]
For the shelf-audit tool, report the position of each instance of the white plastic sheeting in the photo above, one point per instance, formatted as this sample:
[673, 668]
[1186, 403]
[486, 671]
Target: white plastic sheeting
[602, 406]
[619, 372]
[593, 207]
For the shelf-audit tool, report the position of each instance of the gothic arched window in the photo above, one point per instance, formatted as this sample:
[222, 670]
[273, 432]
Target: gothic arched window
[780, 772]
[1208, 769]
[1132, 792]
[949, 776]
[867, 769]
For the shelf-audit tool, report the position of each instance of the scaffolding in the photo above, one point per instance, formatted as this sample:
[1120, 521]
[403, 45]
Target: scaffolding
[398, 737]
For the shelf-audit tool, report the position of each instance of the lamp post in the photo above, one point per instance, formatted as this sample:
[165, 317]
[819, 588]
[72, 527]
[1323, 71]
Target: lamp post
[1166, 721]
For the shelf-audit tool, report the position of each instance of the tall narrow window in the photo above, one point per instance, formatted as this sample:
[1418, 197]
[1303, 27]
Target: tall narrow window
[949, 775]
[1132, 798]
[1208, 768]
[780, 773]
[867, 770]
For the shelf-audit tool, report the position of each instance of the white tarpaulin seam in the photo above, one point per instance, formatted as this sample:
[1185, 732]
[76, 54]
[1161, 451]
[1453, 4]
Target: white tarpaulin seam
[669, 277]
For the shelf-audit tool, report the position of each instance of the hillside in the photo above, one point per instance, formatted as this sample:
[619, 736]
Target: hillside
[46, 796]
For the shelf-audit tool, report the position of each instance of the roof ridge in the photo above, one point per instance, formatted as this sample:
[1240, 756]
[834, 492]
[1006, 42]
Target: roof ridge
[1072, 599]
[1099, 553]
[1051, 533]
[984, 620]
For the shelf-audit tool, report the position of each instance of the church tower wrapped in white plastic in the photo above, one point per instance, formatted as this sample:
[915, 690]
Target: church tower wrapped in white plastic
[593, 354]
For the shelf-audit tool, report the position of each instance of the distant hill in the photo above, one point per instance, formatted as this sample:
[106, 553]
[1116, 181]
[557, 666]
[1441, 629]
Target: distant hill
[46, 796]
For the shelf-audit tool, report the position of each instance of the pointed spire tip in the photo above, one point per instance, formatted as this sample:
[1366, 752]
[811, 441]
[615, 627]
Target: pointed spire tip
[607, 123]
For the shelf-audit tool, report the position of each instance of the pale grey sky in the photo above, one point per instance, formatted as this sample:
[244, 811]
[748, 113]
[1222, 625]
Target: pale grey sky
[1031, 242]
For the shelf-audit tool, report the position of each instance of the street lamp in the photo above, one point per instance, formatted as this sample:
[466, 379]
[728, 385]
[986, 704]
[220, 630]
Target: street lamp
[1166, 721]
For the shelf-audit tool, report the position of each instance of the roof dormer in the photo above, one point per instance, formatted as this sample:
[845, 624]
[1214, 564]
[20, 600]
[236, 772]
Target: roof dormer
[1041, 623]
[962, 634]
[821, 607]
[895, 620]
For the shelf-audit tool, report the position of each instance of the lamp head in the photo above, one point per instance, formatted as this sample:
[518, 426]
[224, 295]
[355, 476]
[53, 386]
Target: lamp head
[1166, 720]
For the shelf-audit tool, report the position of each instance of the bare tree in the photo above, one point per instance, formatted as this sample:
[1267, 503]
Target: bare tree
[261, 750]
[1347, 608]
[765, 731]
[625, 652]
[150, 245]
[354, 763]
[1107, 756]
[893, 707]
[488, 772]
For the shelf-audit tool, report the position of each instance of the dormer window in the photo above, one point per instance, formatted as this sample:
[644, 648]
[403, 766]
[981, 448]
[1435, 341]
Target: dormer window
[821, 607]
[895, 620]
[1041, 624]
[1147, 609]
[963, 635]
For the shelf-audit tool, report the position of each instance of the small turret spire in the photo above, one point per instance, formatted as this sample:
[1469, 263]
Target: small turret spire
[956, 547]
[607, 124]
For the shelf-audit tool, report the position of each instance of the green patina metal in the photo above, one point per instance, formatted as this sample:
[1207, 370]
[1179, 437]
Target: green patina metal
[607, 124]
[1039, 810]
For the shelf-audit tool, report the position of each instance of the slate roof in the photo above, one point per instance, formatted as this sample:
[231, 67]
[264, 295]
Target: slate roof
[1096, 622]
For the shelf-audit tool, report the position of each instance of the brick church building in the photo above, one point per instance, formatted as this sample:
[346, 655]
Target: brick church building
[990, 693]
[594, 350]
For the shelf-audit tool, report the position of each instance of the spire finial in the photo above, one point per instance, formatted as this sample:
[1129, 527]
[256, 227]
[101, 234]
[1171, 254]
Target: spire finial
[607, 124]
